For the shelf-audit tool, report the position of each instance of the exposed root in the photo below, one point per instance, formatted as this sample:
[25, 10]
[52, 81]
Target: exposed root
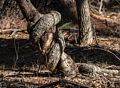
[105, 19]
[91, 69]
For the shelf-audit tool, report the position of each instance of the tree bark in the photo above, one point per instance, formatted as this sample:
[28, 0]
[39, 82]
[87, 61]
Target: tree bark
[29, 11]
[1, 3]
[44, 24]
[86, 32]
[40, 25]
[91, 69]
[58, 58]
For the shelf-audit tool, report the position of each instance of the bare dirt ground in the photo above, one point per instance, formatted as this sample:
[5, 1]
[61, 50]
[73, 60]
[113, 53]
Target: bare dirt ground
[22, 67]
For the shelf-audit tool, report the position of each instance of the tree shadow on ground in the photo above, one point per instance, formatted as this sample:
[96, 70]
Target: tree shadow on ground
[19, 51]
[94, 54]
[28, 56]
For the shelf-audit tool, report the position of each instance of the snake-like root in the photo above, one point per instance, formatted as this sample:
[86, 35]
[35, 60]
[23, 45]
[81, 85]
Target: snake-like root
[41, 23]
[58, 58]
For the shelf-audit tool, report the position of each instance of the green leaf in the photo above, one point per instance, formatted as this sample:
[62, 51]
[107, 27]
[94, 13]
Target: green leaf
[68, 25]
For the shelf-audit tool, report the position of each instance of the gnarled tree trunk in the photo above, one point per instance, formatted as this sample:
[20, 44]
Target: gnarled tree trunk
[41, 23]
[60, 59]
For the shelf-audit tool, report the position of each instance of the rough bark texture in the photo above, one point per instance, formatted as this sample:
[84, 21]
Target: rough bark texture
[43, 24]
[29, 11]
[67, 65]
[39, 25]
[90, 69]
[58, 58]
[86, 32]
[54, 57]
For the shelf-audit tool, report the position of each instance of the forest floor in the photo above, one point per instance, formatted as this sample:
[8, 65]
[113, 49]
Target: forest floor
[22, 67]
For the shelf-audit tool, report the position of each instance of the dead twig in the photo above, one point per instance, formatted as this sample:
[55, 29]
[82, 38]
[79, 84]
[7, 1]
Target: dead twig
[16, 52]
[5, 31]
[100, 8]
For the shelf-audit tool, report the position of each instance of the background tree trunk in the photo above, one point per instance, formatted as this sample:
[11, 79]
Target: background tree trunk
[69, 8]
[86, 32]
[29, 11]
[1, 3]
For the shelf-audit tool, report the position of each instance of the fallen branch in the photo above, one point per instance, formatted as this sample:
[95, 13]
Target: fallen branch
[11, 30]
[105, 19]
